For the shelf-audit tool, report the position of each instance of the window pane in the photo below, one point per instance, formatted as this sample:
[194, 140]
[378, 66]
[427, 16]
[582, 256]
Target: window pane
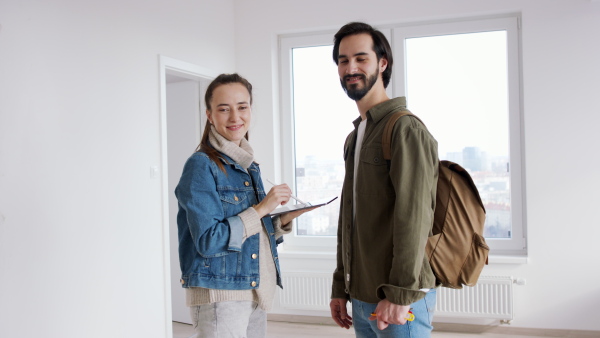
[323, 116]
[458, 85]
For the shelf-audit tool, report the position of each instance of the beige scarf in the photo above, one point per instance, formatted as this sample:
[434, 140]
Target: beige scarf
[244, 155]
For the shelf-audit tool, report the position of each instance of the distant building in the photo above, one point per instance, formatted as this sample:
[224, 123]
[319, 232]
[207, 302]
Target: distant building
[474, 159]
[456, 157]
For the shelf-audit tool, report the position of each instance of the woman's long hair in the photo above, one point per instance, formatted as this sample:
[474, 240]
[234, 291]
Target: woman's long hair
[222, 79]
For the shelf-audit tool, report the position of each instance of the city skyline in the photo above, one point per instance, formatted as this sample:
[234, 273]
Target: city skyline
[319, 177]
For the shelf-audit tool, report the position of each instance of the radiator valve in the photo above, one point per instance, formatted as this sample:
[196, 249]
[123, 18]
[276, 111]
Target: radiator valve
[520, 281]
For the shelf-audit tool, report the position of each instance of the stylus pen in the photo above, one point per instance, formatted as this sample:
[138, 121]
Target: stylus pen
[294, 197]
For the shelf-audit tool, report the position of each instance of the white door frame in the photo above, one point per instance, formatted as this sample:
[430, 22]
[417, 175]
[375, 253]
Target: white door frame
[190, 71]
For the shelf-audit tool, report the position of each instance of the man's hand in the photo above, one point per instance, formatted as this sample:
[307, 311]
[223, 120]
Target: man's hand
[339, 313]
[390, 313]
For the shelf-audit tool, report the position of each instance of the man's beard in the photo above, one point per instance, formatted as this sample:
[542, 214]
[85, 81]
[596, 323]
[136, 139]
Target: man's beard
[355, 93]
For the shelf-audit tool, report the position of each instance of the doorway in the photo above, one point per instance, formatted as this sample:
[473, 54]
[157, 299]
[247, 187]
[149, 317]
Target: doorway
[182, 122]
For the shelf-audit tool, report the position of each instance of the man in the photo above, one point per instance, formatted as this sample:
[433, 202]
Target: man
[387, 207]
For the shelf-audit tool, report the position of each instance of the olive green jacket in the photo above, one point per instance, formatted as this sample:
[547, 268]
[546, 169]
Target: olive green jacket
[382, 253]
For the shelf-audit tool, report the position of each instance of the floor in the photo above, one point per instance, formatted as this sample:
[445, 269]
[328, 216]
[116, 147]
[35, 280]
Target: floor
[298, 330]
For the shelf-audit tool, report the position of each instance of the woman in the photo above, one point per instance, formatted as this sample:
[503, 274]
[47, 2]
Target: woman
[227, 240]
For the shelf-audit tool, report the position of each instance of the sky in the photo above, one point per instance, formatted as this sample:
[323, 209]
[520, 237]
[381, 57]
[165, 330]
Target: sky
[457, 84]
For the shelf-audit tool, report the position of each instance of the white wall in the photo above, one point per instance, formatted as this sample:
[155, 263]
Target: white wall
[81, 238]
[560, 117]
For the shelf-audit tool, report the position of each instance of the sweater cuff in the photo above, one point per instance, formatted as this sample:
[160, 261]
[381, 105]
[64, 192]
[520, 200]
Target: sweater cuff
[252, 224]
[280, 229]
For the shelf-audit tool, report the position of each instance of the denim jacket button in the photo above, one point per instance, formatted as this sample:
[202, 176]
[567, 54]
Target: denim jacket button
[254, 256]
[253, 284]
[182, 281]
[235, 198]
[247, 183]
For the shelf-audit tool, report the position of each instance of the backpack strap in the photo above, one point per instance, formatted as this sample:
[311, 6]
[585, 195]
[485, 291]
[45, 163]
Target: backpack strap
[386, 141]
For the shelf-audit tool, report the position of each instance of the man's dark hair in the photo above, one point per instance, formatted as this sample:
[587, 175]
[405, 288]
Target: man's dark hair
[381, 46]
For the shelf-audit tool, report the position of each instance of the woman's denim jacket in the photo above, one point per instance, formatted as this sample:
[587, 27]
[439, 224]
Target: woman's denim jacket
[211, 251]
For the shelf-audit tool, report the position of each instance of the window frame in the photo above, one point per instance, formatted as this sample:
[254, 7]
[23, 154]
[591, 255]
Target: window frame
[396, 34]
[286, 45]
[517, 244]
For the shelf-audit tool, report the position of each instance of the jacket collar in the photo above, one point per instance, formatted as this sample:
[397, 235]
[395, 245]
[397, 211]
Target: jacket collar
[379, 111]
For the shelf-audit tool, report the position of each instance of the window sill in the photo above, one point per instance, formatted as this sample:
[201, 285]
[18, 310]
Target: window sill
[316, 254]
[307, 254]
[508, 259]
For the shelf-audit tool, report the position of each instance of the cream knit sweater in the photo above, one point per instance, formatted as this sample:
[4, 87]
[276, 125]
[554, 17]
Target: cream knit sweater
[264, 294]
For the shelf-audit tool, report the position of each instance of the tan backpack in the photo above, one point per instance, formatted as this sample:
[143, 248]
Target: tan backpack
[457, 250]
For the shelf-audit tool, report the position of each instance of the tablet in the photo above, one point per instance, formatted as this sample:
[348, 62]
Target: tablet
[300, 206]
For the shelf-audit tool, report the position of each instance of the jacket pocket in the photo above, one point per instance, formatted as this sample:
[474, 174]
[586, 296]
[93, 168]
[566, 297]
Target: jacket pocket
[235, 264]
[373, 155]
[371, 169]
[214, 266]
[233, 201]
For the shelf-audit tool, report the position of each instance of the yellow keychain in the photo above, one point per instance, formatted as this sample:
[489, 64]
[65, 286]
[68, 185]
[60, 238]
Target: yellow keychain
[410, 316]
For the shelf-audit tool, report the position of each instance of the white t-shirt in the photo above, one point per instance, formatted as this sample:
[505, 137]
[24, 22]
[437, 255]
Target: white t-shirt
[359, 139]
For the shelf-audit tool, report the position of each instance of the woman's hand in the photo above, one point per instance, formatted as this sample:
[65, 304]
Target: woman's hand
[278, 195]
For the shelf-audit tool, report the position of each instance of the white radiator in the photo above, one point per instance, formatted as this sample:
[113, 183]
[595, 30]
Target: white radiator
[491, 298]
[306, 291]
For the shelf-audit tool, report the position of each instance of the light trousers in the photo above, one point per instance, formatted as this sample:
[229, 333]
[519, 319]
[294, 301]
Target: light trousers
[234, 319]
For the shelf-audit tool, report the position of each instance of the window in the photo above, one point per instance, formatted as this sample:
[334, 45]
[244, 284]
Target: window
[317, 118]
[460, 78]
[318, 107]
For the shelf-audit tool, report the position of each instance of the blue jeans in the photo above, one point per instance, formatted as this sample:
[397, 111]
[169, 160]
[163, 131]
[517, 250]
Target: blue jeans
[419, 328]
[233, 319]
